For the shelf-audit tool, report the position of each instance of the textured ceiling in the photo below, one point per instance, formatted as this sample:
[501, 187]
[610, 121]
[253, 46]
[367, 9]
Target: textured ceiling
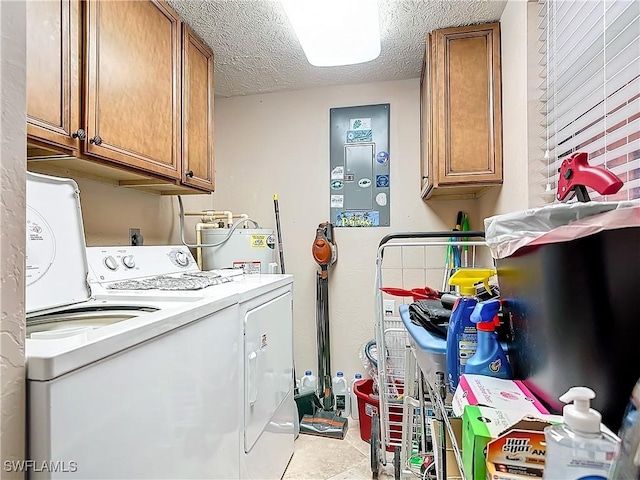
[257, 51]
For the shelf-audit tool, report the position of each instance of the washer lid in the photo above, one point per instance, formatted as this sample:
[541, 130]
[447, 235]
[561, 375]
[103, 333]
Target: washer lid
[56, 273]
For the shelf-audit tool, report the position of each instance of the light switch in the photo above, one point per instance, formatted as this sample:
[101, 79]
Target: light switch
[389, 307]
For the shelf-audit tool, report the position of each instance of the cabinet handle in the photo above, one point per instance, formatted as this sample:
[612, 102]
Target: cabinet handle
[80, 134]
[189, 174]
[97, 140]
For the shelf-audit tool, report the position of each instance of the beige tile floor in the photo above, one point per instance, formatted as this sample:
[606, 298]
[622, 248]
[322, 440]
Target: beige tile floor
[317, 458]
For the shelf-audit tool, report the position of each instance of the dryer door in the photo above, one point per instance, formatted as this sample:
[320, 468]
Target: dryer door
[268, 364]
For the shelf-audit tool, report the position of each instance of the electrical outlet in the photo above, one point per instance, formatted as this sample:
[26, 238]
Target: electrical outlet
[135, 238]
[389, 308]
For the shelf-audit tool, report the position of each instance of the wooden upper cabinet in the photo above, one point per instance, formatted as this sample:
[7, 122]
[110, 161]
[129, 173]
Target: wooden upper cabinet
[132, 92]
[197, 112]
[465, 111]
[53, 38]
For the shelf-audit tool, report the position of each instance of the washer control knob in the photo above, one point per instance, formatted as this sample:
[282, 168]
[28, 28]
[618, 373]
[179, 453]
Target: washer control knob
[128, 261]
[110, 263]
[182, 259]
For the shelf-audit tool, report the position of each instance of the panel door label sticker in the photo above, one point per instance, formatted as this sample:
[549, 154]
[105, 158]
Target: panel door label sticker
[349, 177]
[382, 158]
[358, 219]
[337, 201]
[381, 199]
[357, 136]
[337, 185]
[364, 183]
[360, 124]
[259, 241]
[337, 173]
[271, 241]
[382, 181]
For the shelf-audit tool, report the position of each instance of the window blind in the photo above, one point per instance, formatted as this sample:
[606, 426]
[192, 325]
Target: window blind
[590, 90]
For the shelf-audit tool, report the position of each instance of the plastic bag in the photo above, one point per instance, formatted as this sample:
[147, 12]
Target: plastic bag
[507, 233]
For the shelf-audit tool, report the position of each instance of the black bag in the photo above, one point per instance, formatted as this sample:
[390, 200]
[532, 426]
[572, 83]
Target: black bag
[431, 315]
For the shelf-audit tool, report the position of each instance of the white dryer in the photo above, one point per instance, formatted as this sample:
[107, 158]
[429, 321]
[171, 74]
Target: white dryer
[267, 393]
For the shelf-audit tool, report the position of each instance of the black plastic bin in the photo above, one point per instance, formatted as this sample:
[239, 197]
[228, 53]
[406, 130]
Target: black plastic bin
[575, 312]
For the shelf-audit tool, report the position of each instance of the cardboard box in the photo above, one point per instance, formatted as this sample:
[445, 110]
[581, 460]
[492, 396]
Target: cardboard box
[453, 472]
[496, 393]
[518, 453]
[480, 425]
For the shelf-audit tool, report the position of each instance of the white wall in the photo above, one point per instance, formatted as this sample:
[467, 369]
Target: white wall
[12, 233]
[279, 143]
[513, 195]
[109, 211]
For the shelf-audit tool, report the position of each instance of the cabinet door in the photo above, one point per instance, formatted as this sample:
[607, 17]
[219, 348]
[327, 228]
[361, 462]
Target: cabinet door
[132, 94]
[53, 111]
[426, 128]
[197, 112]
[468, 129]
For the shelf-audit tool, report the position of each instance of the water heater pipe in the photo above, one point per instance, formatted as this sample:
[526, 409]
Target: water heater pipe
[213, 218]
[232, 229]
[208, 216]
[199, 228]
[212, 214]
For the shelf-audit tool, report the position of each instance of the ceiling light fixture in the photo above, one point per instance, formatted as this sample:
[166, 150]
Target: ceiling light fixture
[336, 32]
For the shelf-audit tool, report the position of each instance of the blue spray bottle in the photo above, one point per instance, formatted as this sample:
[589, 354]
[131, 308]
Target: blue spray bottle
[489, 359]
[461, 333]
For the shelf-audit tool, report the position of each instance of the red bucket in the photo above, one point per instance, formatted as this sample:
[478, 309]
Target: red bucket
[368, 405]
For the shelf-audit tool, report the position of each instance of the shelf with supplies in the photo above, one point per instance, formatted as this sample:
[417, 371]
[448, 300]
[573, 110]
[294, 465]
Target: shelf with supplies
[411, 381]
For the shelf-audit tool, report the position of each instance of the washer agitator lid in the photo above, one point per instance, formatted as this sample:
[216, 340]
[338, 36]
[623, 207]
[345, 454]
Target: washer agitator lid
[56, 263]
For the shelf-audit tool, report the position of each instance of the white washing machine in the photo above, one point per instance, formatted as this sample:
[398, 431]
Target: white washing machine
[137, 383]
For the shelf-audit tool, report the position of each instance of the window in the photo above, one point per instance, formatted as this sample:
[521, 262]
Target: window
[590, 89]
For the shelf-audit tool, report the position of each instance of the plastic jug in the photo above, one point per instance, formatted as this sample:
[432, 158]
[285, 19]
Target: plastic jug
[462, 334]
[342, 396]
[354, 398]
[489, 358]
[308, 383]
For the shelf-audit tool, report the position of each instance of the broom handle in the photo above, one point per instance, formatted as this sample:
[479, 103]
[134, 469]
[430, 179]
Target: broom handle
[280, 251]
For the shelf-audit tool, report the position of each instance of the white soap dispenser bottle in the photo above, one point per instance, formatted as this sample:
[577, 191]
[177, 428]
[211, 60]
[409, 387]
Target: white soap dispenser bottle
[577, 449]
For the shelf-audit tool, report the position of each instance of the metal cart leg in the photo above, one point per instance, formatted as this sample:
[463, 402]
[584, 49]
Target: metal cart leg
[375, 444]
[396, 463]
[441, 390]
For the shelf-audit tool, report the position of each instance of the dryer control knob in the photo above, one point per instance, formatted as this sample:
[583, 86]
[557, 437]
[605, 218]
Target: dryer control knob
[128, 261]
[182, 259]
[110, 263]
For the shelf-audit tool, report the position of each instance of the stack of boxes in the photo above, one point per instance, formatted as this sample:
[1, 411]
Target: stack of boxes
[502, 429]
